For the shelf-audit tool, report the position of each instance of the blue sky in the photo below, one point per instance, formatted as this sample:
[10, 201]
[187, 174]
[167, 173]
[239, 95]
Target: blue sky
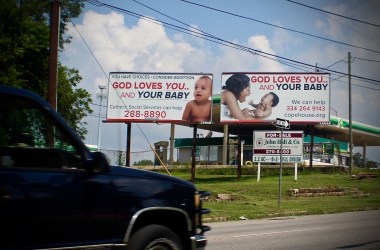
[123, 42]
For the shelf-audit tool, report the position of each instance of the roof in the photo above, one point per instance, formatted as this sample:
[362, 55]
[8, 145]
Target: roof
[338, 129]
[248, 140]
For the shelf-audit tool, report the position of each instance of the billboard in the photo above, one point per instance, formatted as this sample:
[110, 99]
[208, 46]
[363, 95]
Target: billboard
[159, 97]
[263, 97]
[267, 146]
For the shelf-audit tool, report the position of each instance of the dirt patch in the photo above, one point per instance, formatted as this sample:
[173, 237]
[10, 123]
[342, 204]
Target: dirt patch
[324, 191]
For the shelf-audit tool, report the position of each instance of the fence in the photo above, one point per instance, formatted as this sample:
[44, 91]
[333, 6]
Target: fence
[204, 155]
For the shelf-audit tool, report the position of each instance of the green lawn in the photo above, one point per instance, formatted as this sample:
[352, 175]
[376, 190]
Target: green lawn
[253, 199]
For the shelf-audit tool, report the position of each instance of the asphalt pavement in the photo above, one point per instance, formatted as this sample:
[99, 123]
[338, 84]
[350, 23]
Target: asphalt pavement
[352, 230]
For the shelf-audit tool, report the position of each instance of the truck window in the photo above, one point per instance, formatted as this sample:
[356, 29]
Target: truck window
[29, 139]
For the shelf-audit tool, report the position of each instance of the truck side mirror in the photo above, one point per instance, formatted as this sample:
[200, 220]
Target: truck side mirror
[99, 162]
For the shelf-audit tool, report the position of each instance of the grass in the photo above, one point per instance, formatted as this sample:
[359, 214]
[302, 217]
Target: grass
[253, 199]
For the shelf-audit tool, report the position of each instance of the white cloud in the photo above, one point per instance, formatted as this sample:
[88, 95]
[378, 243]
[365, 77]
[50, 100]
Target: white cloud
[364, 93]
[282, 40]
[146, 47]
[263, 63]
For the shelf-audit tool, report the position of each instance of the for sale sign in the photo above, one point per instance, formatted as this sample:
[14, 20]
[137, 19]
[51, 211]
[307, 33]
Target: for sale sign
[159, 97]
[267, 146]
[263, 97]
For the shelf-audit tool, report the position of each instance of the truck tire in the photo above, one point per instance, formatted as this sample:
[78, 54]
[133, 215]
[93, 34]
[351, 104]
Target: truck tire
[154, 237]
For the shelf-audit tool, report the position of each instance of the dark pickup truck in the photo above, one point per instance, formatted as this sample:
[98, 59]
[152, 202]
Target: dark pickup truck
[56, 194]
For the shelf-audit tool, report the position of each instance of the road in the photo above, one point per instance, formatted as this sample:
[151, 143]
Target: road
[352, 230]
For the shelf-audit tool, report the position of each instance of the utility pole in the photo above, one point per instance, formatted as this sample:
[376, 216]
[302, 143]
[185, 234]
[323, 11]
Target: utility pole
[350, 111]
[100, 96]
[53, 53]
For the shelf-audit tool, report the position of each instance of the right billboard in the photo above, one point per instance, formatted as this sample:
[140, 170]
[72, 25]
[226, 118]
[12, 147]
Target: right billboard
[263, 97]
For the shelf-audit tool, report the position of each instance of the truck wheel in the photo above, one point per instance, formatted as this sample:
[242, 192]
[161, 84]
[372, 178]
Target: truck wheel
[154, 237]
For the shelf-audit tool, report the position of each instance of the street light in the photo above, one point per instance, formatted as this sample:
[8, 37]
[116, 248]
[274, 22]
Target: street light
[100, 96]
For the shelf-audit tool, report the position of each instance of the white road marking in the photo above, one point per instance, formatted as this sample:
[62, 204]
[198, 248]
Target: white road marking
[282, 232]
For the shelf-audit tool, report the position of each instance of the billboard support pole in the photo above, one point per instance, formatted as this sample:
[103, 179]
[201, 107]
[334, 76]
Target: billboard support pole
[171, 156]
[280, 176]
[193, 154]
[311, 146]
[225, 143]
[128, 149]
[238, 155]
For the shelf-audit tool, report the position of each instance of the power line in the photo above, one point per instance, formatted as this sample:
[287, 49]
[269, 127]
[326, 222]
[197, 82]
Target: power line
[276, 27]
[345, 75]
[280, 27]
[335, 14]
[95, 104]
[357, 85]
[368, 60]
[88, 47]
[335, 63]
[204, 35]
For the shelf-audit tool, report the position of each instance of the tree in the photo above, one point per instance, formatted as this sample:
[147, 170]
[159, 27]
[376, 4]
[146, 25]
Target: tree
[143, 163]
[358, 160]
[24, 55]
[372, 164]
[73, 104]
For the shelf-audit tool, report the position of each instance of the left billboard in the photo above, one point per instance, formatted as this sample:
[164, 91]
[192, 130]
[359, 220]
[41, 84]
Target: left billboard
[159, 97]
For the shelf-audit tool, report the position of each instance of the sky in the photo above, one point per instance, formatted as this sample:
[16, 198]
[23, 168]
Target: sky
[149, 36]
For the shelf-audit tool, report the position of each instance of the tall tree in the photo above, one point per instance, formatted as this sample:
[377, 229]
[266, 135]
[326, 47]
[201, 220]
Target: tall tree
[24, 55]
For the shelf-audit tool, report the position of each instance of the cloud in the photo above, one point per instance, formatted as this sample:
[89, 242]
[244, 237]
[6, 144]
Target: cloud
[360, 35]
[264, 63]
[147, 47]
[233, 60]
[283, 40]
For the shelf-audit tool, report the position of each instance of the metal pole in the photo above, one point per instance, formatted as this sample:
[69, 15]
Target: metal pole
[280, 177]
[258, 171]
[350, 110]
[100, 116]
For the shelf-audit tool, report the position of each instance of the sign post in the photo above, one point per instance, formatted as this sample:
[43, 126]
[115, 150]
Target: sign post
[278, 146]
[280, 176]
[281, 123]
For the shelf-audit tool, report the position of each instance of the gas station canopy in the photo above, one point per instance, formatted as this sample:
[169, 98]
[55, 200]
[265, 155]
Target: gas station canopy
[337, 129]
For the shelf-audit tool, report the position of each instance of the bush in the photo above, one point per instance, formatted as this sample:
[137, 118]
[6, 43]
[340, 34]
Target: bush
[143, 163]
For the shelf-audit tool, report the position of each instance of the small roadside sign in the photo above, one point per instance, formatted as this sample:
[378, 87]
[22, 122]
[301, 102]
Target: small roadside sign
[282, 123]
[274, 146]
